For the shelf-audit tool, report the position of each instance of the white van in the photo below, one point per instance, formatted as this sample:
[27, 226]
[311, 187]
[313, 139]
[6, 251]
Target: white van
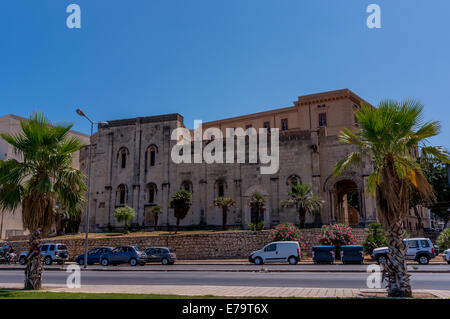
[278, 251]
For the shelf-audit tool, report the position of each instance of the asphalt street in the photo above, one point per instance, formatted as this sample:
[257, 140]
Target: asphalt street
[218, 278]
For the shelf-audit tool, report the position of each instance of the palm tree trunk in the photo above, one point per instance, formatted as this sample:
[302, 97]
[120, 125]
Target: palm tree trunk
[156, 221]
[178, 224]
[302, 218]
[224, 218]
[419, 218]
[33, 269]
[395, 270]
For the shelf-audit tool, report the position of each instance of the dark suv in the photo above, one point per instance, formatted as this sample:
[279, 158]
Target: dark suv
[123, 255]
[163, 255]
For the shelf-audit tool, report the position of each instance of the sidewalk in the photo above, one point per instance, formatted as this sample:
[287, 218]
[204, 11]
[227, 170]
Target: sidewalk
[238, 291]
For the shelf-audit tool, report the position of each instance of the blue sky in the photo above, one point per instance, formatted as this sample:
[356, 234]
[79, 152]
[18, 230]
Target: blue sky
[211, 59]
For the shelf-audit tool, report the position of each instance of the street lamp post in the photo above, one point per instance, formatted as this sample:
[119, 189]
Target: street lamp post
[81, 113]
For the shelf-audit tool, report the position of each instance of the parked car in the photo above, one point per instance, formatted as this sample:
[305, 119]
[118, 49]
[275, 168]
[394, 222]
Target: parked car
[93, 255]
[51, 252]
[122, 255]
[163, 255]
[279, 251]
[446, 255]
[419, 249]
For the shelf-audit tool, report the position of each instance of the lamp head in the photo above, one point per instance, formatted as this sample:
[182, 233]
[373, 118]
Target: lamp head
[80, 112]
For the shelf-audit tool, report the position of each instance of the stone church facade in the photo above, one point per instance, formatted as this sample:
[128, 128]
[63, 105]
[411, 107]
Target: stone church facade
[132, 165]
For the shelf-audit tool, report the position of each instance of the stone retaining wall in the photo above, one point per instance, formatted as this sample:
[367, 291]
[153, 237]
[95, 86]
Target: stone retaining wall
[220, 245]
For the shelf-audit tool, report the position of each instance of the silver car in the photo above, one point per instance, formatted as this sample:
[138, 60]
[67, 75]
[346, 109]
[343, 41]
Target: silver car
[419, 249]
[50, 252]
[446, 255]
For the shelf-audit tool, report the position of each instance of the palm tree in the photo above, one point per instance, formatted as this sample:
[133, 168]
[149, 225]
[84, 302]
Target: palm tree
[44, 176]
[225, 203]
[125, 214]
[156, 210]
[302, 198]
[258, 204]
[389, 135]
[181, 202]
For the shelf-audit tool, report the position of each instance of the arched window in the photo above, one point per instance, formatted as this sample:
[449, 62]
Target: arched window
[122, 194]
[151, 193]
[122, 157]
[187, 186]
[220, 188]
[293, 179]
[150, 155]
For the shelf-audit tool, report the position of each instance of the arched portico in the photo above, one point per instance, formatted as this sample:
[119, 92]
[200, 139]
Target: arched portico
[346, 199]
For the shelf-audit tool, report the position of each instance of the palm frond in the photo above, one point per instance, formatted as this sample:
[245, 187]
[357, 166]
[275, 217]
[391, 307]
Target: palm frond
[353, 158]
[438, 152]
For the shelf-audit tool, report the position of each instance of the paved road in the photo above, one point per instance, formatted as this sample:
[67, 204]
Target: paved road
[246, 267]
[206, 278]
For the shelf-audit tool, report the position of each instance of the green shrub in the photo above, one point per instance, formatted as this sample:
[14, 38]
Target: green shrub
[258, 226]
[376, 237]
[443, 240]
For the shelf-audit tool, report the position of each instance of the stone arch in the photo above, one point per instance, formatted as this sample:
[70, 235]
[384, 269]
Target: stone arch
[346, 198]
[187, 185]
[121, 195]
[292, 179]
[150, 155]
[151, 191]
[219, 187]
[122, 157]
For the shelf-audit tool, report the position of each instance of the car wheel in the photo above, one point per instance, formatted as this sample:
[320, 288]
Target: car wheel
[258, 261]
[22, 260]
[423, 260]
[164, 261]
[81, 261]
[48, 260]
[381, 259]
[133, 262]
[105, 262]
[292, 260]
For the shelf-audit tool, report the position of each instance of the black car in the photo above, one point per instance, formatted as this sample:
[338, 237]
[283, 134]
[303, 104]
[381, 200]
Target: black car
[163, 255]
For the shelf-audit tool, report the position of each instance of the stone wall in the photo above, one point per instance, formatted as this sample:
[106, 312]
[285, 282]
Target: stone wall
[219, 245]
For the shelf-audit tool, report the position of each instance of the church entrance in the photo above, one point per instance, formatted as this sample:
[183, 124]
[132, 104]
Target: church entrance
[347, 204]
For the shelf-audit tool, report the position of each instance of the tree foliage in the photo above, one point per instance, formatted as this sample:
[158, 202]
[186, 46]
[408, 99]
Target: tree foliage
[376, 237]
[125, 214]
[388, 136]
[181, 202]
[302, 198]
[43, 176]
